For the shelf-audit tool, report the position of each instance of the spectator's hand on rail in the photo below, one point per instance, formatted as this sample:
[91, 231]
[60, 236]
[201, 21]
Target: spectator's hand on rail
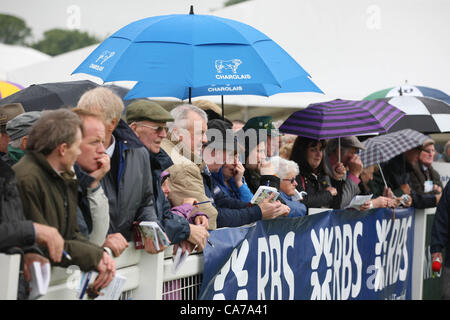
[149, 247]
[365, 206]
[106, 271]
[198, 236]
[29, 258]
[117, 243]
[271, 210]
[185, 245]
[51, 238]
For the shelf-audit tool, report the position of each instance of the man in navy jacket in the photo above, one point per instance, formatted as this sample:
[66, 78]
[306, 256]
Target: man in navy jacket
[440, 238]
[232, 212]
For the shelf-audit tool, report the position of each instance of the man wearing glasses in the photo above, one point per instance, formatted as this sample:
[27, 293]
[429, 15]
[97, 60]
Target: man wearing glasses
[148, 121]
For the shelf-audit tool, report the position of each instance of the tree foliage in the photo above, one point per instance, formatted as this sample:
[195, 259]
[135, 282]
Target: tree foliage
[232, 2]
[57, 41]
[13, 30]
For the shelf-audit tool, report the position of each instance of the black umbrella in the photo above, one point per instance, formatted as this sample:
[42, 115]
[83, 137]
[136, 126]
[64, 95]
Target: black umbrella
[55, 95]
[423, 114]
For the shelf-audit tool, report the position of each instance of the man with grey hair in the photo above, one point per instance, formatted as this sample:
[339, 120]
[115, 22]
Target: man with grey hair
[17, 130]
[49, 191]
[287, 170]
[183, 145]
[148, 121]
[128, 184]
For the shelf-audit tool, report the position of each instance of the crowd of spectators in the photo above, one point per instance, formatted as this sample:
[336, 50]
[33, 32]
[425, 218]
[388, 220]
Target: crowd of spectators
[74, 181]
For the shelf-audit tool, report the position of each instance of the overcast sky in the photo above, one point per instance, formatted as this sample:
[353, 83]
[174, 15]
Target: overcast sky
[99, 17]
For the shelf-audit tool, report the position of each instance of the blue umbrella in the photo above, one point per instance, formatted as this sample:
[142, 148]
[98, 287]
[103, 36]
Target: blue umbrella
[148, 89]
[191, 51]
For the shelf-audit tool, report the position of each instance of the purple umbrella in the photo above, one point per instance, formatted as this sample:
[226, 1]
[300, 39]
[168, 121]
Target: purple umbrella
[342, 118]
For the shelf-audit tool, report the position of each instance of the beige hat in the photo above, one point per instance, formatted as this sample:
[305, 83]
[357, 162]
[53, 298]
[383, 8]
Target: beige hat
[9, 112]
[207, 105]
[427, 142]
[346, 142]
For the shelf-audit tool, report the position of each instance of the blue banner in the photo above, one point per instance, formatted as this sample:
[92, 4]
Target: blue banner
[340, 254]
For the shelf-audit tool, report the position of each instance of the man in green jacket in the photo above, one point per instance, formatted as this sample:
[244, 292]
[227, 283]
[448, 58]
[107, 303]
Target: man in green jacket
[49, 191]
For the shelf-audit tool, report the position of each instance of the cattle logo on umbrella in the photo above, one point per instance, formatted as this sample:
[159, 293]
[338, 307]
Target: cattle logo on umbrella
[230, 66]
[102, 58]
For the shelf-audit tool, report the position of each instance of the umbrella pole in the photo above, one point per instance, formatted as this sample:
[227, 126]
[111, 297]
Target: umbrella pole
[223, 110]
[339, 149]
[190, 92]
[382, 175]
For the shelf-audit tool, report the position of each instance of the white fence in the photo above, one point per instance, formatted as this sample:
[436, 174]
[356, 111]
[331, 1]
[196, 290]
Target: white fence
[150, 277]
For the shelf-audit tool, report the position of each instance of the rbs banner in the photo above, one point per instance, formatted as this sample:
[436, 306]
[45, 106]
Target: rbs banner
[340, 254]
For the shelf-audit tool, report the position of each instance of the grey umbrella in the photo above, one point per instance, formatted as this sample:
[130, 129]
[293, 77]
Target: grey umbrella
[385, 147]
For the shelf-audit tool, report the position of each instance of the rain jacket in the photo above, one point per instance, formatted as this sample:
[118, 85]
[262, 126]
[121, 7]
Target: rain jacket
[51, 199]
[186, 180]
[243, 193]
[188, 212]
[17, 235]
[397, 172]
[298, 209]
[232, 212]
[15, 231]
[131, 195]
[440, 229]
[317, 196]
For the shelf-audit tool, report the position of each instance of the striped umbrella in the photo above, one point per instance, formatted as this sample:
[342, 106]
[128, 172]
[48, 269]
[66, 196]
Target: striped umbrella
[7, 88]
[341, 118]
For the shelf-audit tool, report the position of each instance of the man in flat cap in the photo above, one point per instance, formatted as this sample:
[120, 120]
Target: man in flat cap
[17, 130]
[7, 113]
[148, 121]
